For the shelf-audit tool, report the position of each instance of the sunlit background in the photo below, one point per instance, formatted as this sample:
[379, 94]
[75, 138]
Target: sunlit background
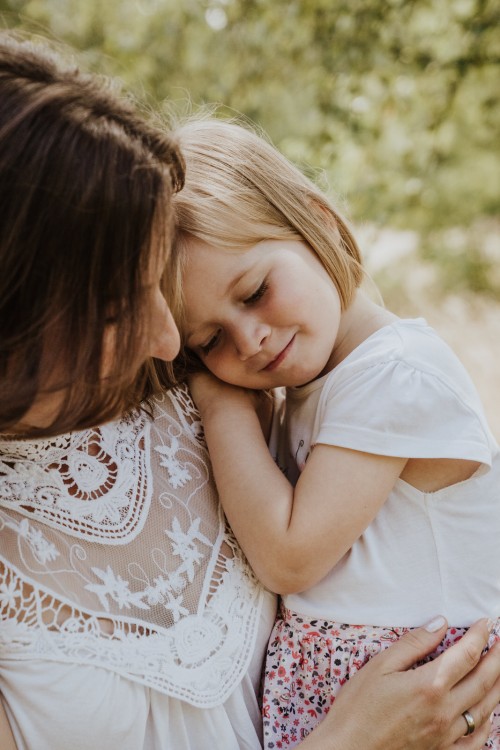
[392, 106]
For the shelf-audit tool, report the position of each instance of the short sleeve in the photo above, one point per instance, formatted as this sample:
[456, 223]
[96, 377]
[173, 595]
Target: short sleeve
[404, 395]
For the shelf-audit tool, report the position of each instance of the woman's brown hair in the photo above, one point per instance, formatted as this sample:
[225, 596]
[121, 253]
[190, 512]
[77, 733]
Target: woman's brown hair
[85, 212]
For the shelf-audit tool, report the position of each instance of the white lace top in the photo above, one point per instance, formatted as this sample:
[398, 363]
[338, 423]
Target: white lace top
[115, 555]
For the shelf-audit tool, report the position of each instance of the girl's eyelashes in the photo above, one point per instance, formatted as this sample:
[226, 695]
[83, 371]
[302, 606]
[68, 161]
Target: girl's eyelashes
[252, 299]
[258, 294]
[207, 348]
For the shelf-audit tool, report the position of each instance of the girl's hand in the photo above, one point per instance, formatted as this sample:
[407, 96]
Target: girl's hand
[211, 394]
[389, 706]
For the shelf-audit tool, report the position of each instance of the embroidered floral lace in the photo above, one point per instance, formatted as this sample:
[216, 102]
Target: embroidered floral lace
[115, 553]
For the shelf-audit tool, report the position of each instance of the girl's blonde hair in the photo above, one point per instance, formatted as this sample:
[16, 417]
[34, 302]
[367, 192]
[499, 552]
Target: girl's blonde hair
[239, 190]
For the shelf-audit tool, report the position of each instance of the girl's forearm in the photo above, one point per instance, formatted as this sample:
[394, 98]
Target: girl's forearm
[256, 497]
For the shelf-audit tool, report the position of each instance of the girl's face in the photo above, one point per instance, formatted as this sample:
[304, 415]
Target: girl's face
[263, 317]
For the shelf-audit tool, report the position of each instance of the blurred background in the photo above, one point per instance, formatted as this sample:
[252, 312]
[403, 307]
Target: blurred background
[392, 106]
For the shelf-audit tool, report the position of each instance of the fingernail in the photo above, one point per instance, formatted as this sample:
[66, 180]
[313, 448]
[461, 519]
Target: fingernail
[491, 624]
[435, 624]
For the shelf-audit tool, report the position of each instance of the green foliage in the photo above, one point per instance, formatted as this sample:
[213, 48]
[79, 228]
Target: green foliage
[397, 101]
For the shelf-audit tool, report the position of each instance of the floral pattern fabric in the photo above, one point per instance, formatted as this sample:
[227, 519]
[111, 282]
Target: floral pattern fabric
[308, 661]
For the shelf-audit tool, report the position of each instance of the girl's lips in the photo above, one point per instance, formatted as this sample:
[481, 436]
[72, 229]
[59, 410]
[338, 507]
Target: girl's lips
[281, 356]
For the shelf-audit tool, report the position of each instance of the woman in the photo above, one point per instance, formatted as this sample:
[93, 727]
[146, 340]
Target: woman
[128, 616]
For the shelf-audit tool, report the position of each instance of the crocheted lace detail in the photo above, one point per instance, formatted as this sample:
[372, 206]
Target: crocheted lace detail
[92, 483]
[115, 553]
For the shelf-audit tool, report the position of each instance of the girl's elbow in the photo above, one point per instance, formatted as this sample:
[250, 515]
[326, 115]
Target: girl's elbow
[282, 578]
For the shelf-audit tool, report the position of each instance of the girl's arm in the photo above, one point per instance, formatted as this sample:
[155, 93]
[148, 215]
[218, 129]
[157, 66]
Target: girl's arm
[291, 536]
[390, 706]
[6, 736]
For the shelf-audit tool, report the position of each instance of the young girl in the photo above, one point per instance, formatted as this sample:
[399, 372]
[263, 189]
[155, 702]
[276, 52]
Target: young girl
[388, 506]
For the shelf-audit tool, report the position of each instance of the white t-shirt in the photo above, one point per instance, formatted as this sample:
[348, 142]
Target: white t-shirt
[403, 392]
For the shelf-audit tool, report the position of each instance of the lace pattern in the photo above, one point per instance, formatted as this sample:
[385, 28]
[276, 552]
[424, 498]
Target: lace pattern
[90, 483]
[115, 553]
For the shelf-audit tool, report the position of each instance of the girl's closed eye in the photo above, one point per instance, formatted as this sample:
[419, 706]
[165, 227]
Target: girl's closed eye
[258, 294]
[211, 343]
[251, 300]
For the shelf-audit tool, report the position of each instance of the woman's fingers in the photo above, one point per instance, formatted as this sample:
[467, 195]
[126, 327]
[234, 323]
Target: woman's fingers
[472, 682]
[456, 681]
[414, 646]
[477, 739]
[421, 708]
[479, 691]
[474, 741]
[482, 710]
[460, 661]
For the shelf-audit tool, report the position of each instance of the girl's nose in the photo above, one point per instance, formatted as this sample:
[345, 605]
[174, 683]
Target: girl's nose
[250, 339]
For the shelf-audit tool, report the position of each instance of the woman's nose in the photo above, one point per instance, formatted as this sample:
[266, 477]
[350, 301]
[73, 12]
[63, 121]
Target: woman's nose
[165, 340]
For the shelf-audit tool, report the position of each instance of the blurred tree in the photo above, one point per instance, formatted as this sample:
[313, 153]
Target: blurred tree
[397, 101]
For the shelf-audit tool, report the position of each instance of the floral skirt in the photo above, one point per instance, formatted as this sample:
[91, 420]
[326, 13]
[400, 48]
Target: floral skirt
[307, 663]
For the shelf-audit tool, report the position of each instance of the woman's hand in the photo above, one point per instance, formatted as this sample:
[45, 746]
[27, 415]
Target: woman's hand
[389, 706]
